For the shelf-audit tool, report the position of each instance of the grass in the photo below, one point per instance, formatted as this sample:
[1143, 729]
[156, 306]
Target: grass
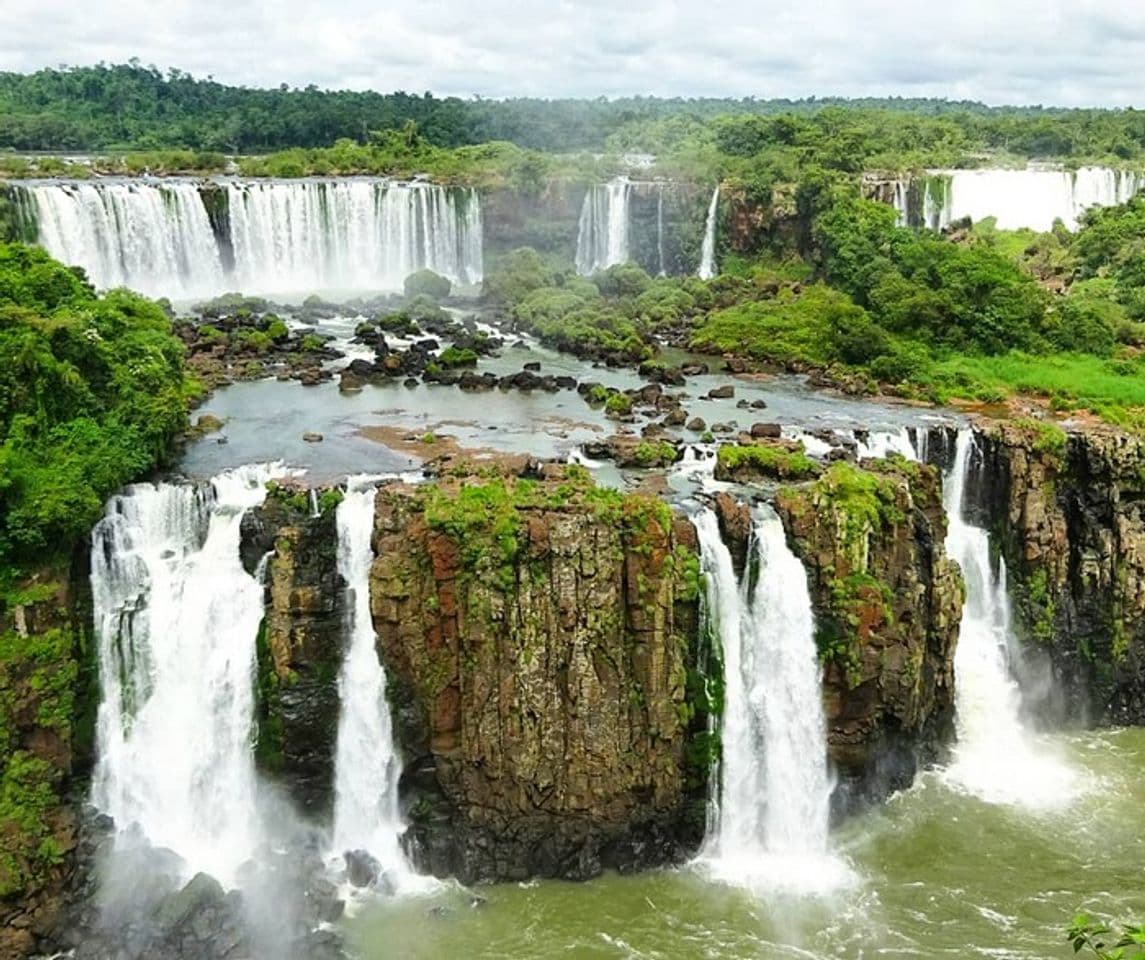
[1113, 389]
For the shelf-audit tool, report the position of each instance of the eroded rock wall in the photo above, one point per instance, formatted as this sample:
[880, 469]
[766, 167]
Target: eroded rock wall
[1068, 512]
[888, 605]
[299, 644]
[47, 703]
[536, 637]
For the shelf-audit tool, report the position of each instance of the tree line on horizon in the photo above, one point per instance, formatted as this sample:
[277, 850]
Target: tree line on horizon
[137, 107]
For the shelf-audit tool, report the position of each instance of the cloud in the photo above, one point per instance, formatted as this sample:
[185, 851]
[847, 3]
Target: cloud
[1070, 52]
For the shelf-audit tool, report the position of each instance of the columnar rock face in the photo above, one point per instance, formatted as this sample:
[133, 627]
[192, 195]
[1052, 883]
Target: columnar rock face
[300, 645]
[536, 640]
[888, 605]
[1068, 511]
[45, 732]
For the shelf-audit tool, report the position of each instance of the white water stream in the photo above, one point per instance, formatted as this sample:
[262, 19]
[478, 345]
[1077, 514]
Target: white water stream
[996, 758]
[367, 765]
[708, 250]
[285, 237]
[770, 820]
[177, 618]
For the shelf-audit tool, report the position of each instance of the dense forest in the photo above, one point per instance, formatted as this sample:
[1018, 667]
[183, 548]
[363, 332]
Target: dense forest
[131, 106]
[92, 395]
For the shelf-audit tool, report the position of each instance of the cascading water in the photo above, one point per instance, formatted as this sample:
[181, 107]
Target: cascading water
[770, 820]
[351, 234]
[176, 618]
[285, 237]
[602, 233]
[366, 764]
[154, 237]
[708, 250]
[1032, 198]
[663, 271]
[996, 758]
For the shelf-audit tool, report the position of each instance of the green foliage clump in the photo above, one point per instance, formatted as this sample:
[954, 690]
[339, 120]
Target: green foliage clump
[770, 460]
[618, 404]
[426, 283]
[789, 329]
[654, 453]
[452, 357]
[1048, 438]
[92, 395]
[1105, 943]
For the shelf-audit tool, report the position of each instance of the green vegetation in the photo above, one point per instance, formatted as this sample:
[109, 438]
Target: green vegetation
[770, 460]
[92, 395]
[452, 357]
[425, 282]
[483, 516]
[1103, 941]
[38, 678]
[654, 453]
[137, 106]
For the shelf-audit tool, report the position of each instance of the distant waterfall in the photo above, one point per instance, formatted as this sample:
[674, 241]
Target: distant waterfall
[708, 250]
[996, 758]
[176, 619]
[1031, 198]
[771, 816]
[662, 272]
[366, 764]
[281, 237]
[602, 233]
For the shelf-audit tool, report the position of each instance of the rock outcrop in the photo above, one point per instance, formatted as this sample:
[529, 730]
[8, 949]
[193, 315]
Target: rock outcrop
[536, 639]
[300, 643]
[46, 715]
[888, 605]
[1068, 512]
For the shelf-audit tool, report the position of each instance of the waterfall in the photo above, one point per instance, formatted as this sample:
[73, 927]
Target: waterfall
[901, 201]
[286, 237]
[352, 234]
[176, 619]
[366, 764]
[708, 250]
[660, 228]
[771, 816]
[154, 237]
[1031, 198]
[996, 758]
[602, 232]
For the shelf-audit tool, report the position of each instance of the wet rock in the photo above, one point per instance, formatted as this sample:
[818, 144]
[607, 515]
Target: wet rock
[697, 425]
[723, 428]
[312, 437]
[723, 392]
[675, 418]
[694, 369]
[362, 870]
[759, 404]
[203, 892]
[472, 381]
[533, 366]
[768, 431]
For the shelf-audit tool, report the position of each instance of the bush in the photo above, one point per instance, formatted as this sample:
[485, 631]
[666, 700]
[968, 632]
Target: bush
[427, 283]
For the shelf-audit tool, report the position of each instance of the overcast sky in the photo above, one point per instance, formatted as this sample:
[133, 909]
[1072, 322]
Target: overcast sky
[1070, 52]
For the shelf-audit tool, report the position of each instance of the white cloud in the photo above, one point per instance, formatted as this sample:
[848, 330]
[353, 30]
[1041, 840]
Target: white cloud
[1072, 52]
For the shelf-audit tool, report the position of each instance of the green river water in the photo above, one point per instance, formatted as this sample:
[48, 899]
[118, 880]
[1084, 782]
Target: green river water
[937, 873]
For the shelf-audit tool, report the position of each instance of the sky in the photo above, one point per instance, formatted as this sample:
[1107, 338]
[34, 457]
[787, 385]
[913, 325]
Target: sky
[1061, 52]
